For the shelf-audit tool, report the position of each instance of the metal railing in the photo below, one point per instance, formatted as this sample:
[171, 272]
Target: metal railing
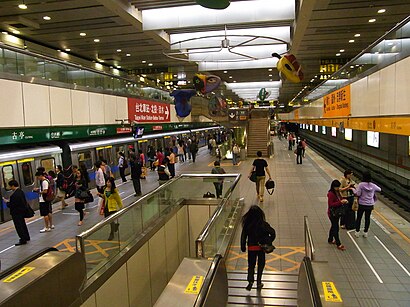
[309, 247]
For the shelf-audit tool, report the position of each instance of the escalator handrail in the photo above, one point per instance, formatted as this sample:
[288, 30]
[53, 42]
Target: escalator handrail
[29, 259]
[314, 292]
[206, 286]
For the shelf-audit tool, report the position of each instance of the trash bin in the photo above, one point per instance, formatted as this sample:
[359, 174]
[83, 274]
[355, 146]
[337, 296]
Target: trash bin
[242, 154]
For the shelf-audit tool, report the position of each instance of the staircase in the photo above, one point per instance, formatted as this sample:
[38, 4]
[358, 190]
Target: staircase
[258, 133]
[280, 289]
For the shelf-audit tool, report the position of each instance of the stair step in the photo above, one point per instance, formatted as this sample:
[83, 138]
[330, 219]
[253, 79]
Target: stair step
[263, 292]
[272, 285]
[260, 301]
[276, 277]
[264, 272]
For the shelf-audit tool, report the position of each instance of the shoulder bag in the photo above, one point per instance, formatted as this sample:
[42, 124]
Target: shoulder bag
[253, 176]
[338, 211]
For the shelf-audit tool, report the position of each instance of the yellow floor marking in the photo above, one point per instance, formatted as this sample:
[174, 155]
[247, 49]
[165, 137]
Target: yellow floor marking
[401, 234]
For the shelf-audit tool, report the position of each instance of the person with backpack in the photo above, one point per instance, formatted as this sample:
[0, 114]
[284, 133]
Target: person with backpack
[219, 182]
[163, 172]
[122, 165]
[79, 203]
[46, 196]
[255, 232]
[61, 190]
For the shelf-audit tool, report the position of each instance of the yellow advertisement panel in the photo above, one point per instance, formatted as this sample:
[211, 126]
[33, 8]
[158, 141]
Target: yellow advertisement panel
[296, 113]
[337, 103]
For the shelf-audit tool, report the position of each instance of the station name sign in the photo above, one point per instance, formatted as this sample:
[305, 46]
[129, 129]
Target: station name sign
[145, 111]
[337, 103]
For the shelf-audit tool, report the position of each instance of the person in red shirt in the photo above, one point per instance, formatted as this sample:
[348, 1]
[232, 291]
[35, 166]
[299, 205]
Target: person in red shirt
[160, 156]
[335, 200]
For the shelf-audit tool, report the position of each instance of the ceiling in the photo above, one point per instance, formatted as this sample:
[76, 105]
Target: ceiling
[319, 29]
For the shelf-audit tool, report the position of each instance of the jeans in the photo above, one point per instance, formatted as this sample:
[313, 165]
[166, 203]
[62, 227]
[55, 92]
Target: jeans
[218, 189]
[252, 255]
[334, 230]
[260, 185]
[234, 157]
[290, 145]
[367, 210]
[298, 159]
[193, 156]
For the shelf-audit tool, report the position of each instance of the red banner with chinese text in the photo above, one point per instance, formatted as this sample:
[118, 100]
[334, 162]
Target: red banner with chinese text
[146, 111]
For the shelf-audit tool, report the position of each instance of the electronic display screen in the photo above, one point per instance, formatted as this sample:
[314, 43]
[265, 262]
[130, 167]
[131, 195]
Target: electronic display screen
[138, 132]
[348, 134]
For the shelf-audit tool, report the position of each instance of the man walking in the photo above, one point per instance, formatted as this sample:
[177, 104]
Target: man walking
[260, 166]
[136, 171]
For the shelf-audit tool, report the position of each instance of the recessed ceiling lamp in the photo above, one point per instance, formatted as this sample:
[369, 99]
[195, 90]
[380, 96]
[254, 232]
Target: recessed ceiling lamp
[357, 35]
[342, 50]
[102, 61]
[128, 54]
[83, 34]
[119, 50]
[97, 40]
[381, 11]
[68, 49]
[337, 54]
[150, 64]
[270, 75]
[143, 62]
[230, 77]
[225, 71]
[270, 69]
[5, 33]
[372, 20]
[23, 6]
[47, 18]
[351, 40]
[119, 66]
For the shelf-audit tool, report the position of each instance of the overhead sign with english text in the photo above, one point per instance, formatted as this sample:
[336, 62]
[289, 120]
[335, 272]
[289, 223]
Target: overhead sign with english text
[146, 111]
[337, 103]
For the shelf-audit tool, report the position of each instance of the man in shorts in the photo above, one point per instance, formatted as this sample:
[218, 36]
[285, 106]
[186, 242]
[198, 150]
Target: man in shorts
[45, 206]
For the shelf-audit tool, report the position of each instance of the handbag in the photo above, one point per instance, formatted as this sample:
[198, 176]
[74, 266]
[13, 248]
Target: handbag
[253, 176]
[102, 207]
[209, 195]
[267, 248]
[355, 205]
[29, 211]
[338, 211]
[270, 186]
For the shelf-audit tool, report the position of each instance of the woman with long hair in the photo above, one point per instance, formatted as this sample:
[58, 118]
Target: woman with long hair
[113, 203]
[334, 201]
[367, 197]
[255, 231]
[80, 186]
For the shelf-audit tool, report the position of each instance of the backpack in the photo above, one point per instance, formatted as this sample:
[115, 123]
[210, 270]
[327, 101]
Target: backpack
[50, 195]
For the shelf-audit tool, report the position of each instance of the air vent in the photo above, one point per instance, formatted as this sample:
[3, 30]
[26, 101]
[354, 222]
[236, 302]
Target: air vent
[18, 25]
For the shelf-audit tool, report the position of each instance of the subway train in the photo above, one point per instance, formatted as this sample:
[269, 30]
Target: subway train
[21, 164]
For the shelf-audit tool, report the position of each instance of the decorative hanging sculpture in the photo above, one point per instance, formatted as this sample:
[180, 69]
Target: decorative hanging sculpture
[214, 4]
[263, 94]
[206, 83]
[289, 68]
[217, 107]
[181, 98]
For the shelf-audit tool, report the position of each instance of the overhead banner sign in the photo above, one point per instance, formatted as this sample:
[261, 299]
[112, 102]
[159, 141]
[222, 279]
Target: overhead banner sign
[337, 103]
[238, 114]
[146, 111]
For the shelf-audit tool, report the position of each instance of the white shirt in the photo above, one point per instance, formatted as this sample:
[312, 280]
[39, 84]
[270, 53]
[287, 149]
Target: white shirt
[99, 178]
[43, 186]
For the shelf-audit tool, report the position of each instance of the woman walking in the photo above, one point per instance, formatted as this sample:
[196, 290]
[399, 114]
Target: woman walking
[335, 202]
[80, 185]
[367, 197]
[259, 166]
[113, 203]
[254, 230]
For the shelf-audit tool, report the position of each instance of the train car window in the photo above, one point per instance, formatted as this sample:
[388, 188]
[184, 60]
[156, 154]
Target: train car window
[49, 164]
[100, 154]
[7, 176]
[109, 156]
[27, 174]
[85, 157]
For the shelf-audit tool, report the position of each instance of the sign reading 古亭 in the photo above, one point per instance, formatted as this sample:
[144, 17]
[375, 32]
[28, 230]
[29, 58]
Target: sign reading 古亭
[337, 103]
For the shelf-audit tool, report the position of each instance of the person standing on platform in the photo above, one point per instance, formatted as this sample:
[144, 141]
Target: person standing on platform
[113, 203]
[160, 156]
[219, 182]
[151, 157]
[143, 164]
[85, 175]
[255, 228]
[80, 186]
[163, 171]
[193, 148]
[61, 192]
[334, 200]
[299, 153]
[260, 166]
[304, 145]
[171, 164]
[213, 146]
[366, 198]
[181, 151]
[18, 209]
[122, 165]
[290, 141]
[348, 220]
[106, 169]
[235, 154]
[100, 180]
[45, 206]
[136, 171]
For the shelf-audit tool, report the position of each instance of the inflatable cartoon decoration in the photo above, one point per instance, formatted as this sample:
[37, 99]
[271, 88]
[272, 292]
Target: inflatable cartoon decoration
[181, 98]
[263, 94]
[214, 4]
[289, 68]
[206, 83]
[217, 107]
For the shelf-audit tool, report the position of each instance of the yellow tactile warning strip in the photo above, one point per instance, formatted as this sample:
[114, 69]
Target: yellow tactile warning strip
[401, 234]
[225, 164]
[93, 247]
[279, 260]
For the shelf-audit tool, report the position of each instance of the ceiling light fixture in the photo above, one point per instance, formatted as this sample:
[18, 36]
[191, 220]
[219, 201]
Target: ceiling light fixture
[150, 64]
[351, 41]
[270, 69]
[83, 34]
[372, 20]
[357, 35]
[225, 71]
[97, 40]
[381, 11]
[119, 50]
[68, 49]
[119, 66]
[143, 62]
[22, 6]
[337, 54]
[342, 50]
[230, 77]
[270, 76]
[5, 33]
[47, 18]
[128, 54]
[102, 61]
[16, 32]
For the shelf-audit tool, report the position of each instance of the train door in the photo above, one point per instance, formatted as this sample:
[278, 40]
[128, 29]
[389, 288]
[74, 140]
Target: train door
[122, 148]
[143, 146]
[86, 158]
[26, 171]
[8, 172]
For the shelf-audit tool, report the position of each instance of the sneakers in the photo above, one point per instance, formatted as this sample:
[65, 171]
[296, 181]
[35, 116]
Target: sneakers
[341, 247]
[343, 227]
[249, 286]
[52, 226]
[45, 230]
[357, 234]
[365, 234]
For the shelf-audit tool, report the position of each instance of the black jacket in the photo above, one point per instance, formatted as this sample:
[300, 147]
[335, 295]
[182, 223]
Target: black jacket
[136, 169]
[60, 180]
[262, 234]
[18, 203]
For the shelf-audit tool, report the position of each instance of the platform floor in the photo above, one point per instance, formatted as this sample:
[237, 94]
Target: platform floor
[371, 272]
